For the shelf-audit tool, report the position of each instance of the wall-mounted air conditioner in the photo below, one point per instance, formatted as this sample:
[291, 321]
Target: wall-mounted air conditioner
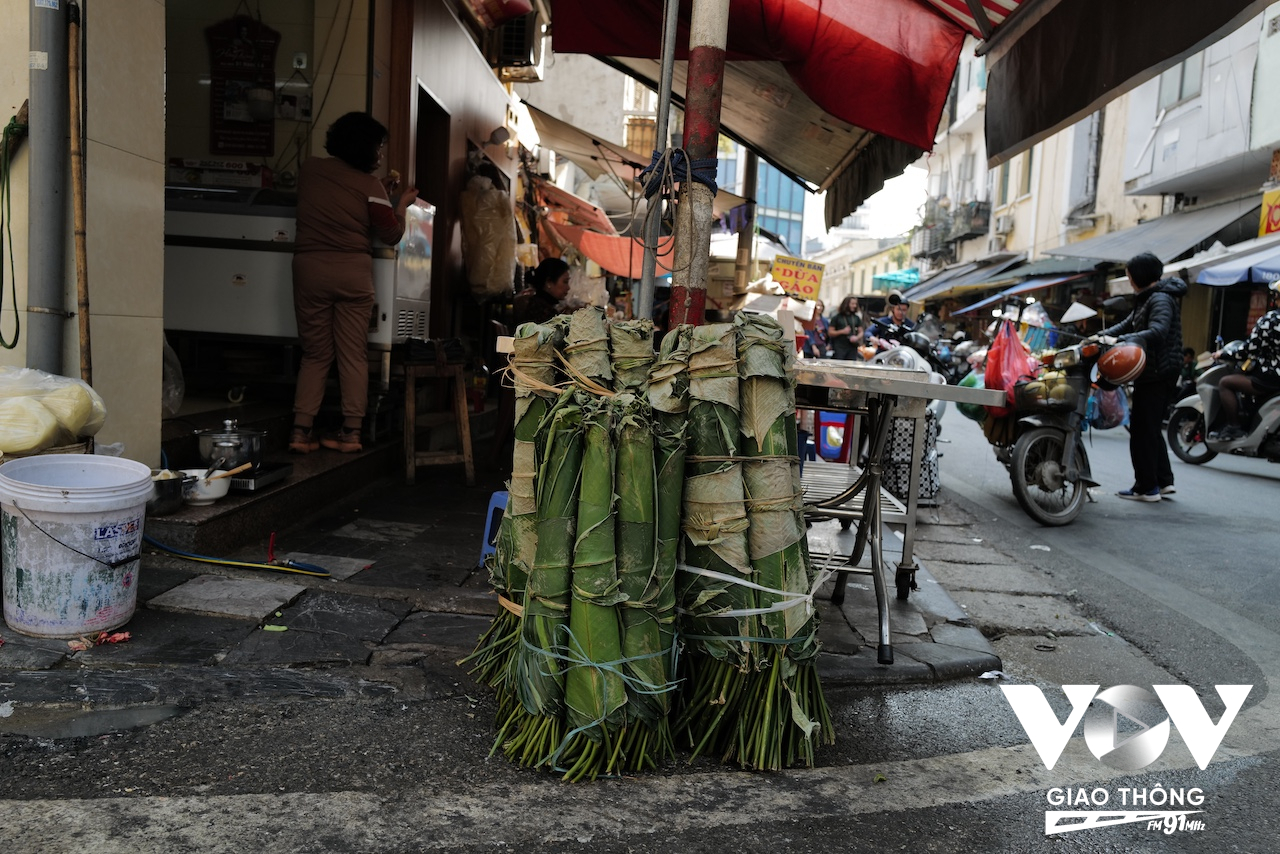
[515, 47]
[1004, 224]
[995, 244]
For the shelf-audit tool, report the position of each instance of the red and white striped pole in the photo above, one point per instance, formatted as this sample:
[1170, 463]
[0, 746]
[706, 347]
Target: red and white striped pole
[704, 87]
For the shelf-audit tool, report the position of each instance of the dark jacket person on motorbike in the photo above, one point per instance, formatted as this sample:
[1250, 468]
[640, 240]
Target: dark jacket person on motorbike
[1156, 324]
[1262, 374]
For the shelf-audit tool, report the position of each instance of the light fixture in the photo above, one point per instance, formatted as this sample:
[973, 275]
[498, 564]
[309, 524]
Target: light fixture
[1030, 300]
[995, 312]
[499, 136]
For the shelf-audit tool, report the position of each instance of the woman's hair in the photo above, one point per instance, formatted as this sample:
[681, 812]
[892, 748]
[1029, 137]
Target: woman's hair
[355, 139]
[846, 305]
[548, 271]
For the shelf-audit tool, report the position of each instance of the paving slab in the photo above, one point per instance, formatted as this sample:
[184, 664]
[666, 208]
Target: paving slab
[950, 662]
[967, 637]
[321, 628]
[1003, 612]
[20, 652]
[159, 637]
[1096, 659]
[943, 514]
[997, 578]
[251, 599]
[933, 601]
[340, 568]
[862, 669]
[425, 630]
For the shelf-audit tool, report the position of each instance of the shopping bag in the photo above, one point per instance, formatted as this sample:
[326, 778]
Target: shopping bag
[1108, 408]
[1007, 362]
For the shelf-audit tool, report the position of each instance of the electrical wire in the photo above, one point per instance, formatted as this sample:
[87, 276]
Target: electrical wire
[290, 566]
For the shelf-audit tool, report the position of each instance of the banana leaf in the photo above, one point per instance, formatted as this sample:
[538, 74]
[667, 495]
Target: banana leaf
[631, 344]
[594, 690]
[587, 349]
[539, 676]
[787, 706]
[715, 520]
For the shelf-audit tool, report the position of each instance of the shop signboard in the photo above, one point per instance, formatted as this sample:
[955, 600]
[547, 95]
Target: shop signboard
[797, 276]
[242, 63]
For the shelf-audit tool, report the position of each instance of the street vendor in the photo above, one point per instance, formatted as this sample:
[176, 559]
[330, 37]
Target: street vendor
[541, 302]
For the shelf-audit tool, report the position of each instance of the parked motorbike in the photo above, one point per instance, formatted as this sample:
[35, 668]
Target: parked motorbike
[1045, 453]
[1196, 418]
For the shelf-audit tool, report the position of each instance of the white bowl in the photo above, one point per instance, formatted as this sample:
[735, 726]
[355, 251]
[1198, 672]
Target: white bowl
[200, 492]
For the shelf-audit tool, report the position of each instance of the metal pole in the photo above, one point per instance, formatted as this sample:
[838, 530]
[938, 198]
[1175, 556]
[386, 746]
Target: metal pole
[78, 192]
[708, 31]
[47, 203]
[747, 237]
[653, 217]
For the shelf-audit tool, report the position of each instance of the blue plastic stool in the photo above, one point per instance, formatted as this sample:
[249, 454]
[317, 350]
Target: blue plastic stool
[493, 521]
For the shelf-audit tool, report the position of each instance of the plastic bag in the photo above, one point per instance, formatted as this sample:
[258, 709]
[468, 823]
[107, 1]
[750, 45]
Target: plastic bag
[1007, 362]
[26, 426]
[77, 410]
[973, 411]
[1107, 408]
[488, 238]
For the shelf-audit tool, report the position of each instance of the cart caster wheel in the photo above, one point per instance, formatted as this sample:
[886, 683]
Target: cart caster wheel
[846, 524]
[905, 581]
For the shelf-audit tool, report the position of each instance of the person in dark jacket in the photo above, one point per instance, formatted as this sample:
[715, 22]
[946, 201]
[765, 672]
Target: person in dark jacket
[1156, 324]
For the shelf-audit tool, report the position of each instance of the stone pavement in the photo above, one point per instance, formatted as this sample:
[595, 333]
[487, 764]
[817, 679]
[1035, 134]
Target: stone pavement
[405, 602]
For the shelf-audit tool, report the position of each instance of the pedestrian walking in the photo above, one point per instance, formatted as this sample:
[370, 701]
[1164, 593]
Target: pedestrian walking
[845, 330]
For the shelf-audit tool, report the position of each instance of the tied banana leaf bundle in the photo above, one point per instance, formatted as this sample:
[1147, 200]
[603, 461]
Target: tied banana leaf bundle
[786, 711]
[595, 695]
[533, 372]
[715, 585]
[533, 728]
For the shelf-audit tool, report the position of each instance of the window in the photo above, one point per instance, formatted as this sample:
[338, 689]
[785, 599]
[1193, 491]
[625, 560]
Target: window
[1004, 183]
[1181, 82]
[638, 98]
[640, 134]
[1024, 178]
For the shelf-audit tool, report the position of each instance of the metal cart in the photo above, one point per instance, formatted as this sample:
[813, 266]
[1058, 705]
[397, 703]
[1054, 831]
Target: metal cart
[878, 394]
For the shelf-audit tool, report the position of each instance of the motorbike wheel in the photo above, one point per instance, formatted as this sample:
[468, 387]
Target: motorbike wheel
[1186, 433]
[1039, 479]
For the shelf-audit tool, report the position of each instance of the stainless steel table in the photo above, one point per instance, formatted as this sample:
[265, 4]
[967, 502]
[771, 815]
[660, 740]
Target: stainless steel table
[878, 393]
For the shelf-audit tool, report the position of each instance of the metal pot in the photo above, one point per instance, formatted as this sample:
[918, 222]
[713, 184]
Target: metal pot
[233, 445]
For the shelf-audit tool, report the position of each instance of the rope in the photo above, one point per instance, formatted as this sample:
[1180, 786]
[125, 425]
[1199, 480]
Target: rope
[676, 163]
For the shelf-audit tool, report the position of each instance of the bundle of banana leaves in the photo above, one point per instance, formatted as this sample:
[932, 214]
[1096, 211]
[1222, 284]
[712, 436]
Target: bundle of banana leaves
[534, 374]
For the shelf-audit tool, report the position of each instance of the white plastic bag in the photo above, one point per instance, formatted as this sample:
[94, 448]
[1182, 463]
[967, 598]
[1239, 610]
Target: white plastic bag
[76, 410]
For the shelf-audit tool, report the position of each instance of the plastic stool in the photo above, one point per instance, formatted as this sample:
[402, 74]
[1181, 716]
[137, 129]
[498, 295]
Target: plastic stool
[492, 523]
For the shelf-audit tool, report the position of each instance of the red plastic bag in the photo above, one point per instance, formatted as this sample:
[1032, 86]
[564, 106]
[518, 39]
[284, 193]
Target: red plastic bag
[1007, 362]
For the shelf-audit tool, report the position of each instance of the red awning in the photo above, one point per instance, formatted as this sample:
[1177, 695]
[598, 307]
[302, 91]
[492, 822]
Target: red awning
[622, 256]
[575, 209]
[883, 65]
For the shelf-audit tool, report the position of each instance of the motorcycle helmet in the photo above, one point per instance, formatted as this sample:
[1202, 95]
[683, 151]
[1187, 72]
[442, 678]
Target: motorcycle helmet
[919, 342]
[1122, 363]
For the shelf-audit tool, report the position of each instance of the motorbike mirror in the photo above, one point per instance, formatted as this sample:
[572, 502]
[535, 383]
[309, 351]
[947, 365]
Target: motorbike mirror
[1115, 303]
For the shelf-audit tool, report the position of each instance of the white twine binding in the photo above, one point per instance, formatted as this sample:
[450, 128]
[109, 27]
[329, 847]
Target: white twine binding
[789, 599]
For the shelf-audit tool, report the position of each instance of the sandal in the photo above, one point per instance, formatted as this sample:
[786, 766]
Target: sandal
[301, 441]
[347, 441]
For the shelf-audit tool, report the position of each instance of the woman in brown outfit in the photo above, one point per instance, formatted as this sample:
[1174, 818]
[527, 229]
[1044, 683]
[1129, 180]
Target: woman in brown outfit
[342, 207]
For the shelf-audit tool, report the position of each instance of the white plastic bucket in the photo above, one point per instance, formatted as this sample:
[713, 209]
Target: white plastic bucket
[71, 535]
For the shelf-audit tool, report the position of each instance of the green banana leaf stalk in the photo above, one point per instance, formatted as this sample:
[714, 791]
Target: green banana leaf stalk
[716, 615]
[533, 731]
[786, 709]
[534, 374]
[594, 695]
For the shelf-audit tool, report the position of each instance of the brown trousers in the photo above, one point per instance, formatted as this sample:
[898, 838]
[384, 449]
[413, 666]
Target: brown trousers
[332, 301]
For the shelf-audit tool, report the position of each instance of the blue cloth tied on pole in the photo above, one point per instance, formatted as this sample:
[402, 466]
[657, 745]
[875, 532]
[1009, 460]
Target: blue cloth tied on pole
[702, 171]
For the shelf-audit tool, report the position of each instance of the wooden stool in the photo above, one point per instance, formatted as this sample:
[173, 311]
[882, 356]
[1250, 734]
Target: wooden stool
[413, 457]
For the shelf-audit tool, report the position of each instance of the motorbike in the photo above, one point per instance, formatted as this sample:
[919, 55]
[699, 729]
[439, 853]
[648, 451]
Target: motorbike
[1191, 429]
[1044, 452]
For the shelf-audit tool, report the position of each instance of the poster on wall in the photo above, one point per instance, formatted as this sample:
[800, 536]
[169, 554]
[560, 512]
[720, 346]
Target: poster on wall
[242, 94]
